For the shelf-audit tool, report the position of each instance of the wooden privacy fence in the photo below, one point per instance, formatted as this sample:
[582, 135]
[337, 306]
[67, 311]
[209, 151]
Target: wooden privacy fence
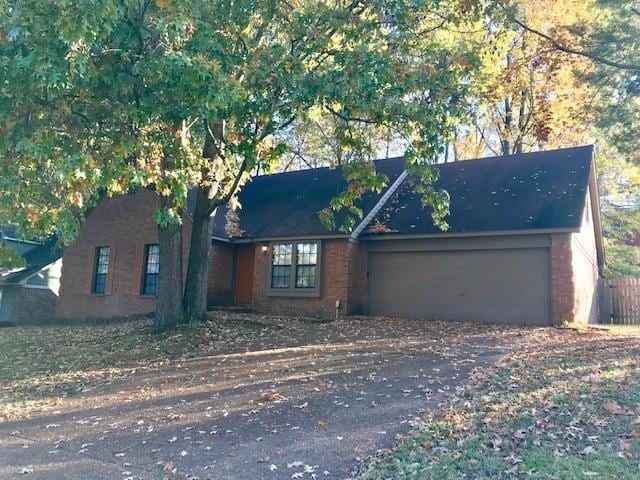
[620, 301]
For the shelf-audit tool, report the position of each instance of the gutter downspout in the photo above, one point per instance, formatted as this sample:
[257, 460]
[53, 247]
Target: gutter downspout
[353, 238]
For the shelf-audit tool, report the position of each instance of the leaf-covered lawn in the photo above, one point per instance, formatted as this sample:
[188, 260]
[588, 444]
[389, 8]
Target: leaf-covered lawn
[565, 406]
[42, 365]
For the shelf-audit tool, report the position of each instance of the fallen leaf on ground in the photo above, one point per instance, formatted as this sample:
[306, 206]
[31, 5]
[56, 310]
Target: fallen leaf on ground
[614, 408]
[272, 397]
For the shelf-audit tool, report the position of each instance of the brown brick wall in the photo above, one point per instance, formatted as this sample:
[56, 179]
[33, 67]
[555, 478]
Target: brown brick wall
[562, 286]
[340, 279]
[574, 275]
[124, 223]
[221, 274]
[29, 305]
[585, 270]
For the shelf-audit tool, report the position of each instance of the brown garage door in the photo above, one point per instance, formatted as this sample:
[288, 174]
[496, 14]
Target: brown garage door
[496, 286]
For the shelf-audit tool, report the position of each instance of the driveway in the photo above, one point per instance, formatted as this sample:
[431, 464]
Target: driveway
[298, 399]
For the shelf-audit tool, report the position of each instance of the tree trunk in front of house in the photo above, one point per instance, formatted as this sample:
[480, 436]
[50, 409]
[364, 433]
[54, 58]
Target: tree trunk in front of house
[196, 286]
[169, 303]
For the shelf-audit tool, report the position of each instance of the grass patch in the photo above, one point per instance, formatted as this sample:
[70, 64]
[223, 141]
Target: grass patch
[565, 406]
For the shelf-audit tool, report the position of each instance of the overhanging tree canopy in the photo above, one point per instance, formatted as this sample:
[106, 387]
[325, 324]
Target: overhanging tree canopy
[100, 97]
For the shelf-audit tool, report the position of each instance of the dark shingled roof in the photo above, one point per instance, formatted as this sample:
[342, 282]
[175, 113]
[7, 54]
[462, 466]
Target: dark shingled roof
[287, 204]
[541, 190]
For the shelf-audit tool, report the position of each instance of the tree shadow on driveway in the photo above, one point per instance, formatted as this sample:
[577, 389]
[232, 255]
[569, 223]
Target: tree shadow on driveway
[308, 405]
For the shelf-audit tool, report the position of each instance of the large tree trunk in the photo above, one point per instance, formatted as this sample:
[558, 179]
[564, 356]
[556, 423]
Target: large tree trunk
[169, 304]
[195, 293]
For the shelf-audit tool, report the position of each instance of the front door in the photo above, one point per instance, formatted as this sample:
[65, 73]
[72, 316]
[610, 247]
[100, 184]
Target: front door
[244, 275]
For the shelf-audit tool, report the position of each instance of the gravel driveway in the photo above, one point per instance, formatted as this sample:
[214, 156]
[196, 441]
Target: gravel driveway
[297, 399]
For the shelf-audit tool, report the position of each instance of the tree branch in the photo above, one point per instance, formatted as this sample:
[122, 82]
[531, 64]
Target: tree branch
[563, 48]
[348, 118]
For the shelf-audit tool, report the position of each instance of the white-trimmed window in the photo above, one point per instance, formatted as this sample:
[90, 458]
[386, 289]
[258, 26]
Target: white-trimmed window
[295, 268]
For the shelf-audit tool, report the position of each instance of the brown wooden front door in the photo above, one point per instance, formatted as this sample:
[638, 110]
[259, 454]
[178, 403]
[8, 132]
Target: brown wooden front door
[244, 275]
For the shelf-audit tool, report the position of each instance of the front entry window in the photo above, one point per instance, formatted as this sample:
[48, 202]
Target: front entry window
[306, 258]
[281, 254]
[294, 268]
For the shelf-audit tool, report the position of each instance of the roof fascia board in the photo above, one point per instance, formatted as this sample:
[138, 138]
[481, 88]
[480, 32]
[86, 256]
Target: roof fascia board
[594, 198]
[44, 268]
[376, 208]
[6, 278]
[220, 239]
[35, 287]
[488, 233]
[282, 238]
[18, 240]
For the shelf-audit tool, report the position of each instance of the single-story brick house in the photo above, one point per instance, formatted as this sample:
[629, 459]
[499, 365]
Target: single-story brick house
[524, 246]
[29, 294]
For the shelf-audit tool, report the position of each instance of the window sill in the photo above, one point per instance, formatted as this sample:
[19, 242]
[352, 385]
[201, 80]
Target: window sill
[294, 292]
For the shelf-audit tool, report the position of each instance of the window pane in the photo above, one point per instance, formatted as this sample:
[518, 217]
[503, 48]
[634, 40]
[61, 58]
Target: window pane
[305, 276]
[307, 253]
[150, 284]
[100, 283]
[306, 259]
[281, 254]
[153, 259]
[280, 275]
[151, 270]
[101, 270]
[102, 265]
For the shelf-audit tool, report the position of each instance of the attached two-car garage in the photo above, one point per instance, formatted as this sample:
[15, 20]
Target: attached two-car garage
[494, 280]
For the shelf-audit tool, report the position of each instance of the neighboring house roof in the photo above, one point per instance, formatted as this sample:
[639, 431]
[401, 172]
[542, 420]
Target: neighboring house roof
[10, 237]
[531, 191]
[9, 231]
[37, 258]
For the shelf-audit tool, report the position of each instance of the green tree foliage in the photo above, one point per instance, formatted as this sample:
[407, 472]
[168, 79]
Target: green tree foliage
[619, 188]
[617, 42]
[612, 43]
[9, 258]
[99, 97]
